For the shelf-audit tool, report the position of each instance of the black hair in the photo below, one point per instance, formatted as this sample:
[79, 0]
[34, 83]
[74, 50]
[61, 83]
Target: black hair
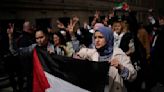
[42, 30]
[61, 37]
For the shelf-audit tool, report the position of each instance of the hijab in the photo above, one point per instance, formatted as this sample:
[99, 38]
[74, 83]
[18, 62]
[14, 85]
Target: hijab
[106, 51]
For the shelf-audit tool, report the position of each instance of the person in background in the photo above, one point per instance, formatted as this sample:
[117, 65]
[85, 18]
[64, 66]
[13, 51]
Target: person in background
[59, 44]
[117, 29]
[127, 41]
[42, 42]
[144, 39]
[60, 47]
[26, 39]
[157, 54]
[72, 29]
[10, 59]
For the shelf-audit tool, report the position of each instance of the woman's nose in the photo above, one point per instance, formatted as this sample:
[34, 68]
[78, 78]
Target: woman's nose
[40, 40]
[96, 40]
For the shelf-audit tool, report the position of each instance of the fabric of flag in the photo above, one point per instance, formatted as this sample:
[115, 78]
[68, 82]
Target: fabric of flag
[53, 73]
[118, 5]
[125, 6]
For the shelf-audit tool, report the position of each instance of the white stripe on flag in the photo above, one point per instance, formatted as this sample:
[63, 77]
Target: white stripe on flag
[59, 85]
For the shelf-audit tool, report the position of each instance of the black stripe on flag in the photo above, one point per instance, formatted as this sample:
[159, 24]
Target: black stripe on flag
[86, 74]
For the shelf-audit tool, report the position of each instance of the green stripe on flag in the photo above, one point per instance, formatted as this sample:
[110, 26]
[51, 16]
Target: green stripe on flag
[118, 5]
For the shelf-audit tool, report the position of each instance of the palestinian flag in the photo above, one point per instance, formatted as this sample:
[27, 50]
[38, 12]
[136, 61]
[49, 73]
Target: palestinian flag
[52, 73]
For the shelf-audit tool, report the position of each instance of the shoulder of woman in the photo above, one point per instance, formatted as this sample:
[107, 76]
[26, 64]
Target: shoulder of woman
[87, 53]
[117, 51]
[87, 50]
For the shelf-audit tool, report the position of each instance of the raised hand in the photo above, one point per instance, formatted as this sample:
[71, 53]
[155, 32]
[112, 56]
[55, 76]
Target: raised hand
[70, 26]
[97, 14]
[116, 63]
[10, 29]
[60, 25]
[75, 19]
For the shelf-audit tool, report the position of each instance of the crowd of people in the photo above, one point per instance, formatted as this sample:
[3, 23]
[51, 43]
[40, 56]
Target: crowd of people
[134, 50]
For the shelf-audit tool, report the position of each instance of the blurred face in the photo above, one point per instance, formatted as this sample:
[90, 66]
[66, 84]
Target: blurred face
[49, 30]
[99, 40]
[125, 26]
[151, 19]
[41, 38]
[117, 27]
[97, 25]
[105, 22]
[56, 40]
[27, 27]
[161, 21]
